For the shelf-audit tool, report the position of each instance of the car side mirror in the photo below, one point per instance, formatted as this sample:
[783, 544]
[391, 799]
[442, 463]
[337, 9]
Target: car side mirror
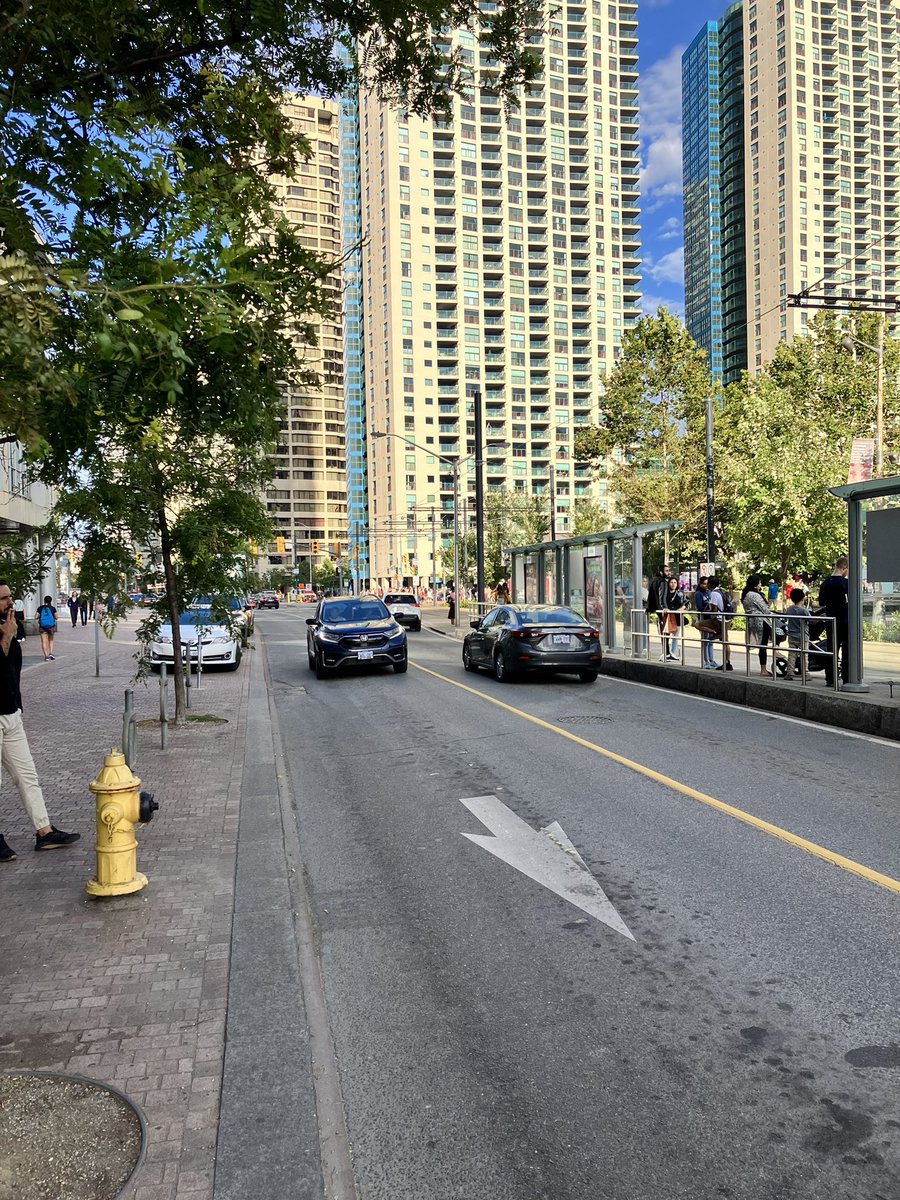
[476, 623]
[310, 620]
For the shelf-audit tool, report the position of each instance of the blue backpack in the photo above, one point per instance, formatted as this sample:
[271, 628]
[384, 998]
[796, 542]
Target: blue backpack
[46, 620]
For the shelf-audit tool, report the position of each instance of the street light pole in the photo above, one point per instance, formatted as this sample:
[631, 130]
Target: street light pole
[710, 481]
[479, 503]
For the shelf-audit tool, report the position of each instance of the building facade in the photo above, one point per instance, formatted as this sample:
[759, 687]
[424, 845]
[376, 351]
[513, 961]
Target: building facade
[812, 148]
[307, 500]
[25, 509]
[500, 257]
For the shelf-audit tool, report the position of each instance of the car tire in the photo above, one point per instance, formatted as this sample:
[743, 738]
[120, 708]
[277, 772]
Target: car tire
[277, 604]
[319, 667]
[311, 659]
[467, 660]
[502, 671]
[417, 628]
[237, 661]
[401, 667]
[587, 676]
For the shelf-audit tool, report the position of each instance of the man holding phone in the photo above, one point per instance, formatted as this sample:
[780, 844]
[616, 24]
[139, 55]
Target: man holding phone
[15, 756]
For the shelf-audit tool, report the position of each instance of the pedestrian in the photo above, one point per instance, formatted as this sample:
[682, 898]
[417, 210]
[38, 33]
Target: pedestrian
[797, 628]
[451, 599]
[657, 590]
[759, 623]
[773, 592]
[673, 604]
[834, 600]
[15, 756]
[19, 610]
[720, 608]
[72, 604]
[83, 608]
[46, 619]
[701, 604]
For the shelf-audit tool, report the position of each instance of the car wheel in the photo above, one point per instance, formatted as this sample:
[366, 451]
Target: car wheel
[319, 666]
[237, 661]
[401, 667]
[587, 676]
[311, 659]
[468, 664]
[502, 672]
[276, 604]
[417, 628]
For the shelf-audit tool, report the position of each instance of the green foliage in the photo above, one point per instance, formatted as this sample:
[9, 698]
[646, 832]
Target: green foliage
[649, 441]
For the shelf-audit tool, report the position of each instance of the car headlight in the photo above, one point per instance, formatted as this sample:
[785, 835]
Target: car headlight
[397, 635]
[327, 635]
[217, 640]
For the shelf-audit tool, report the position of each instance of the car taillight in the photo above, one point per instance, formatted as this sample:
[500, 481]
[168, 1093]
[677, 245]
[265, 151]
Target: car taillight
[590, 634]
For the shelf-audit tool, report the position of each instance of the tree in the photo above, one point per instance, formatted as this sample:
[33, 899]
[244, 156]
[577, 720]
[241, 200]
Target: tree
[588, 517]
[146, 281]
[649, 441]
[783, 439]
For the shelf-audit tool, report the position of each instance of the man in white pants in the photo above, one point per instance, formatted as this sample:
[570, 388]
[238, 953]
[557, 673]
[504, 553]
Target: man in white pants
[15, 757]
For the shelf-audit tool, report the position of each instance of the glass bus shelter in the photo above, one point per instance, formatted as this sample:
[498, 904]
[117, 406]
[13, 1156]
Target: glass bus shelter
[600, 575]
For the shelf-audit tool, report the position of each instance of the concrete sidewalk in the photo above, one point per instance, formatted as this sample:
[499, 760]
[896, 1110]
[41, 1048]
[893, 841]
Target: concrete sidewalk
[129, 990]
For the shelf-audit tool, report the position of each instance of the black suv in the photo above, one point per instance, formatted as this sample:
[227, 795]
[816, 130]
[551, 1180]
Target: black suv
[354, 629]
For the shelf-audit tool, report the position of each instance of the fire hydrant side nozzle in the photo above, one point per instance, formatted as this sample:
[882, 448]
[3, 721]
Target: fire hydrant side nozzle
[120, 806]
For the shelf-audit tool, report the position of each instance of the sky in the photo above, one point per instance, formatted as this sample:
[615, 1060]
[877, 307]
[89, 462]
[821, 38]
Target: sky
[665, 29]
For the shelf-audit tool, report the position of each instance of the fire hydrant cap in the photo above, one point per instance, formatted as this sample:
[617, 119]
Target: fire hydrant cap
[115, 776]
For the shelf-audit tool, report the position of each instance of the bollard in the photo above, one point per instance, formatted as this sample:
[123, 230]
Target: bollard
[163, 719]
[120, 806]
[129, 740]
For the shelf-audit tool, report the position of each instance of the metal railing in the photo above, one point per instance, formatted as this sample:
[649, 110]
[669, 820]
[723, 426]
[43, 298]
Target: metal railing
[642, 632]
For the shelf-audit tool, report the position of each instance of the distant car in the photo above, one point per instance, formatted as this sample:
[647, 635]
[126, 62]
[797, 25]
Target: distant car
[236, 606]
[308, 597]
[198, 628]
[516, 638]
[354, 629]
[267, 600]
[404, 608]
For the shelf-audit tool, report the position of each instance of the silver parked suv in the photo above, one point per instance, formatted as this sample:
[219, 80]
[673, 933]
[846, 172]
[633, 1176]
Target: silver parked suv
[404, 608]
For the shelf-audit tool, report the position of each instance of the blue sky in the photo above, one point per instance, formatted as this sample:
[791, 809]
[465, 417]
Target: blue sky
[665, 28]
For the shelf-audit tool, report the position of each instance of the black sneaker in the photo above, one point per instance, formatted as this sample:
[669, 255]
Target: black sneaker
[729, 667]
[55, 839]
[7, 854]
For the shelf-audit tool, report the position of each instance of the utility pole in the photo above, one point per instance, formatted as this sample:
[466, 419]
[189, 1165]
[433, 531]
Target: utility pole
[552, 503]
[710, 479]
[479, 502]
[433, 556]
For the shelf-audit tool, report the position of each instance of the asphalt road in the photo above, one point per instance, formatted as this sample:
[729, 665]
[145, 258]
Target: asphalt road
[495, 1042]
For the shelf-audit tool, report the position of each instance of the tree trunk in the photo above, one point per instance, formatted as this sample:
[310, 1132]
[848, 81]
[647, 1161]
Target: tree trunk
[173, 601]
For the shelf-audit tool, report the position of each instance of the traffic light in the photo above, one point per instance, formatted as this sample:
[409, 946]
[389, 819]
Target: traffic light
[314, 546]
[279, 545]
[139, 559]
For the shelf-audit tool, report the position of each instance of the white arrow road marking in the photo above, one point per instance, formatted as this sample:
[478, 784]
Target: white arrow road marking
[547, 857]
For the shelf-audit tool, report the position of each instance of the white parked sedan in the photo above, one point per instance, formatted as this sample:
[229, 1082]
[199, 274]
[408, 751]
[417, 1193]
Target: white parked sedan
[201, 636]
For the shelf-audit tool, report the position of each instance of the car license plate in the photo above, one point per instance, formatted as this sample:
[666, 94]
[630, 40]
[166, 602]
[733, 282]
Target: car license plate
[560, 639]
[366, 654]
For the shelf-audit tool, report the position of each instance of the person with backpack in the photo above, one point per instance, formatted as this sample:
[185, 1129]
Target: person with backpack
[15, 756]
[656, 602]
[46, 619]
[721, 608]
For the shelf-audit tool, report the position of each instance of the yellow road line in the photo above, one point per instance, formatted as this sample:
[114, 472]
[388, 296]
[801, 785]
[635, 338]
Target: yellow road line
[829, 856]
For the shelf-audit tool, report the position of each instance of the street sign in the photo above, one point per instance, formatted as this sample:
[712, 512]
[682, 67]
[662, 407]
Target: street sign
[547, 857]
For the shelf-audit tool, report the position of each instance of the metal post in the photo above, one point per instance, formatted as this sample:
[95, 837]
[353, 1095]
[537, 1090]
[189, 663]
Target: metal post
[879, 403]
[710, 510]
[479, 503]
[96, 643]
[433, 556]
[639, 615]
[854, 650]
[200, 658]
[186, 667]
[552, 503]
[128, 726]
[163, 718]
[456, 544]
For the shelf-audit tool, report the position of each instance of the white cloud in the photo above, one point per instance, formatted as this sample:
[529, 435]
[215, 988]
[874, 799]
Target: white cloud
[660, 112]
[650, 303]
[669, 229]
[668, 269]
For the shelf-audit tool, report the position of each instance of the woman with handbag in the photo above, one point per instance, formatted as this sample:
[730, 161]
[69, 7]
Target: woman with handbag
[759, 621]
[672, 619]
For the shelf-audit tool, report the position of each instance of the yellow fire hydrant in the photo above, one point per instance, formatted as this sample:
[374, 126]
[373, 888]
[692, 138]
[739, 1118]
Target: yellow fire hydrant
[120, 806]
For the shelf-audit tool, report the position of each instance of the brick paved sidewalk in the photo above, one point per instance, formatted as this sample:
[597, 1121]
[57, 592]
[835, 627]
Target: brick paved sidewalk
[130, 990]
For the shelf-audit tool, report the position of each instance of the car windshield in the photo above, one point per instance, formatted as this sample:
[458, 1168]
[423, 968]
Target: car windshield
[400, 600]
[196, 616]
[344, 611]
[231, 602]
[549, 616]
